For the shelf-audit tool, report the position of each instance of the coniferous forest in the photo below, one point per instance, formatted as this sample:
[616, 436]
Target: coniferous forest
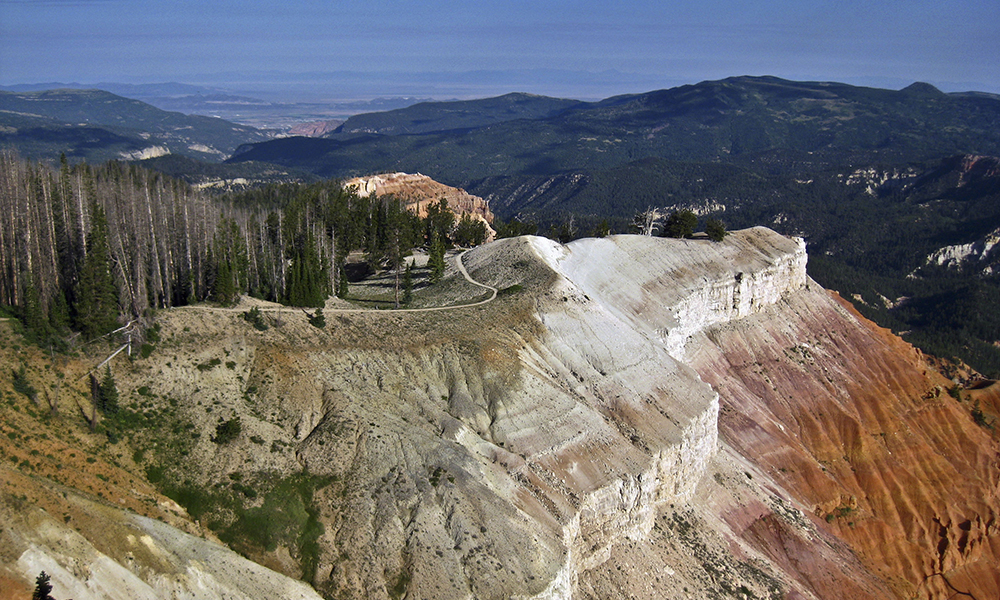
[89, 249]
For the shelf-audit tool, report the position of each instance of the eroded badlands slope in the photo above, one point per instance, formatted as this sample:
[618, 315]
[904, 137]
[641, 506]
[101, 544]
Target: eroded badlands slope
[632, 417]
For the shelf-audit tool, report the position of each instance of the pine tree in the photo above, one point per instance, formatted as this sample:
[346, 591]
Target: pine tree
[716, 230]
[224, 287]
[33, 317]
[317, 319]
[59, 313]
[96, 296]
[343, 286]
[307, 281]
[439, 222]
[469, 231]
[435, 262]
[108, 400]
[681, 224]
[43, 587]
[228, 263]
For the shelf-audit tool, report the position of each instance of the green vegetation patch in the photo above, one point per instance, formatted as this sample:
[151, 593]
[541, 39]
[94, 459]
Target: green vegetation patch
[22, 385]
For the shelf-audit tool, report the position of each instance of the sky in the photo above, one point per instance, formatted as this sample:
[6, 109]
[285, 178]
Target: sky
[584, 48]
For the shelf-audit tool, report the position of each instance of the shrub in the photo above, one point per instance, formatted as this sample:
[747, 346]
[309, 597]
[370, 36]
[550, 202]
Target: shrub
[255, 318]
[208, 366]
[978, 416]
[716, 230]
[227, 431]
[22, 385]
[317, 320]
[681, 224]
[510, 290]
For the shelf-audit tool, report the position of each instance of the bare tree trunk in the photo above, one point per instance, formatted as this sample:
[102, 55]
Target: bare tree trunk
[81, 213]
[154, 260]
[7, 231]
[187, 249]
[281, 254]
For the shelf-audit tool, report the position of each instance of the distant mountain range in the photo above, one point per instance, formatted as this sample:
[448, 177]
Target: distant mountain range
[757, 122]
[96, 125]
[255, 108]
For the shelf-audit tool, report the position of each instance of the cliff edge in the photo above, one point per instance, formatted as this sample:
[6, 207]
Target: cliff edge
[631, 417]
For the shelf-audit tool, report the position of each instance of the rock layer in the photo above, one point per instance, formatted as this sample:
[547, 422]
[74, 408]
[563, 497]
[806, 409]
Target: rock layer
[852, 422]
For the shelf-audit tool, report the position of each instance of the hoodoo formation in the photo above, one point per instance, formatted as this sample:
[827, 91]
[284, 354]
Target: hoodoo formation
[630, 417]
[418, 192]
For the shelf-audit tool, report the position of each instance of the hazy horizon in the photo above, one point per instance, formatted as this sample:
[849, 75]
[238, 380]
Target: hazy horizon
[347, 87]
[447, 49]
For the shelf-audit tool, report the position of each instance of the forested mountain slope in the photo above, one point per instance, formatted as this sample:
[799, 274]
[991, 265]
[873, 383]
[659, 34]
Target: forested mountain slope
[96, 125]
[761, 122]
[427, 117]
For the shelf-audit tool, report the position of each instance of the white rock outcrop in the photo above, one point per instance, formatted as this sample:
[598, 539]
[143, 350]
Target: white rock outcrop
[978, 254]
[675, 288]
[630, 305]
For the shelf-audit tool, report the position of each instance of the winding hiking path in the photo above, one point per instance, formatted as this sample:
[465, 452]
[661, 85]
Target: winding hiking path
[461, 267]
[293, 309]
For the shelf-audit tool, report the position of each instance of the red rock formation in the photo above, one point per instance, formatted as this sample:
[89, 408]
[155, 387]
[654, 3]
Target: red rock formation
[420, 191]
[850, 419]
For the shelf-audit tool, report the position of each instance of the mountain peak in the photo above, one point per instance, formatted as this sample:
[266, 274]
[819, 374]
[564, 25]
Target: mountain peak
[922, 89]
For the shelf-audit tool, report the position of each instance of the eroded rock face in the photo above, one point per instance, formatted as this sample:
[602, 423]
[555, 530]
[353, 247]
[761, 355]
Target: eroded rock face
[420, 191]
[979, 257]
[850, 420]
[632, 416]
[512, 469]
[519, 468]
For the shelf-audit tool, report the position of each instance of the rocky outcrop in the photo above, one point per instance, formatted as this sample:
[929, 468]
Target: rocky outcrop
[125, 556]
[673, 290]
[315, 128]
[977, 256]
[570, 436]
[420, 191]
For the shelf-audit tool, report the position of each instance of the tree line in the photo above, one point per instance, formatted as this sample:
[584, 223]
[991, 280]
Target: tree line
[88, 248]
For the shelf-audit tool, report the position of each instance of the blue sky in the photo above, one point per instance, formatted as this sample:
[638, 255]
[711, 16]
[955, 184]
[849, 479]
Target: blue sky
[953, 44]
